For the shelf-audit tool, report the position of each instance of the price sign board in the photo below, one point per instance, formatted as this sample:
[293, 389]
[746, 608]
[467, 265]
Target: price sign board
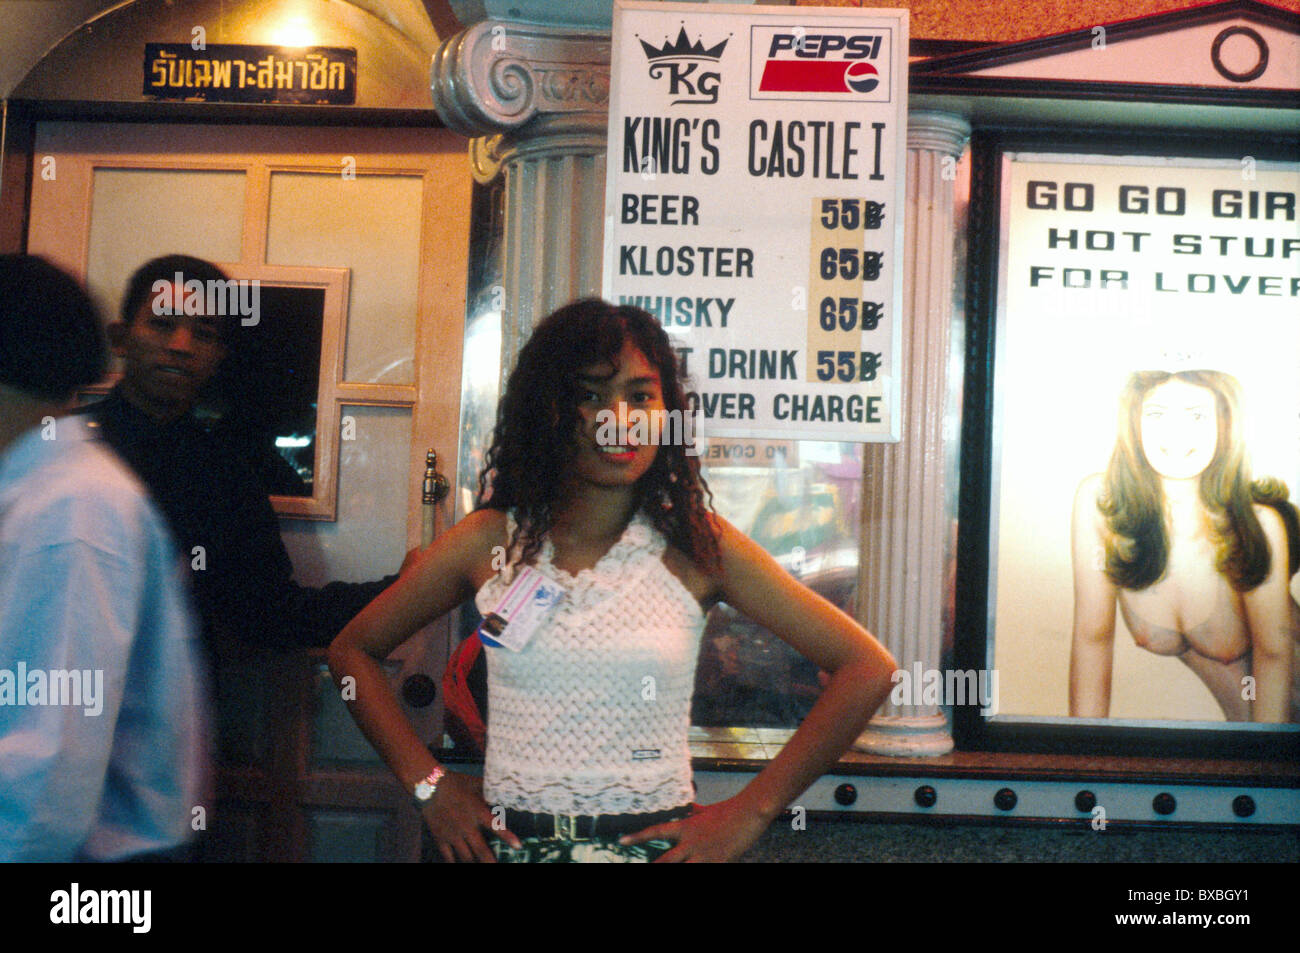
[754, 205]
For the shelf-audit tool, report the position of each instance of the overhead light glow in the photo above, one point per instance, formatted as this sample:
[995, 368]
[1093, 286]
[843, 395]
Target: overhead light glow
[294, 31]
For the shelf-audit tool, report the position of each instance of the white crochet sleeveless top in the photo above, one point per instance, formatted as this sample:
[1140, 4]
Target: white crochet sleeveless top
[591, 717]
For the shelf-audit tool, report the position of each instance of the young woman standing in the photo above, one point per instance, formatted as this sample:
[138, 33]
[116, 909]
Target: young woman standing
[587, 744]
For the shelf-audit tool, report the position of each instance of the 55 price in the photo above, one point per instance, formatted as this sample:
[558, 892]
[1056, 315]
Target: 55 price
[847, 314]
[847, 366]
[851, 213]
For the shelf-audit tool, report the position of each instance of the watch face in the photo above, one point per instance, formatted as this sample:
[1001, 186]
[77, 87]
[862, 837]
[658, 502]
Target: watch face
[425, 788]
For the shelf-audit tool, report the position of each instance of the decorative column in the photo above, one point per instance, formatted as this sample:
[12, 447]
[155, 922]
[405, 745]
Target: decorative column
[534, 100]
[906, 526]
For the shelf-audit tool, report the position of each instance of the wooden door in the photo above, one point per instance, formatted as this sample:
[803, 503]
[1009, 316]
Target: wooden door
[386, 213]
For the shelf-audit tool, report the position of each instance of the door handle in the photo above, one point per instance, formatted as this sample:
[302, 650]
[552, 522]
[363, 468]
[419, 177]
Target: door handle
[436, 486]
[436, 489]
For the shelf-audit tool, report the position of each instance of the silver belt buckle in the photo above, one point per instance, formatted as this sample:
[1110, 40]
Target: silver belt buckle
[565, 827]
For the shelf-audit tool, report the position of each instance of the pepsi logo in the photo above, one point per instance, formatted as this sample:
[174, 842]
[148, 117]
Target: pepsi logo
[823, 64]
[818, 76]
[861, 77]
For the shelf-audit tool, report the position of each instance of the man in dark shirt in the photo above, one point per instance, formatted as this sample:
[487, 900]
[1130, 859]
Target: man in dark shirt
[204, 479]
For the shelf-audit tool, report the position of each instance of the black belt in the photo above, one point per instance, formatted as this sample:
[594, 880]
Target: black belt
[586, 826]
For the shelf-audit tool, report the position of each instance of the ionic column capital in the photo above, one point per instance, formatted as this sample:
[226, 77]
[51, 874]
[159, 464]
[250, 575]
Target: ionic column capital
[498, 75]
[937, 132]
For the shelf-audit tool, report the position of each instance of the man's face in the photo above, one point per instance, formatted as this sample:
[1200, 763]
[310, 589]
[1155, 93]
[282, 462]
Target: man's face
[169, 356]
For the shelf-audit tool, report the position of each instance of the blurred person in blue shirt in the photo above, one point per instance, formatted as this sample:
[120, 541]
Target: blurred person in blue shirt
[103, 739]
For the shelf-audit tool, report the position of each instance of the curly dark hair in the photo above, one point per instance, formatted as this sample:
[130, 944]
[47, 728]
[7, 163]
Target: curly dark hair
[535, 437]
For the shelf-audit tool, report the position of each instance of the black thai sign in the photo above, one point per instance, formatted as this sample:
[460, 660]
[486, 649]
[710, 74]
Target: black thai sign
[238, 73]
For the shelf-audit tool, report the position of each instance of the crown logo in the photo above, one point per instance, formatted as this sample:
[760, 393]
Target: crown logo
[682, 48]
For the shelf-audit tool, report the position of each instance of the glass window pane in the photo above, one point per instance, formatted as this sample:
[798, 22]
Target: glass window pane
[267, 387]
[803, 510]
[139, 214]
[368, 539]
[369, 224]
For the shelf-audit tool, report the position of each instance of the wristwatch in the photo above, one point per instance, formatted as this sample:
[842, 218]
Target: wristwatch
[427, 787]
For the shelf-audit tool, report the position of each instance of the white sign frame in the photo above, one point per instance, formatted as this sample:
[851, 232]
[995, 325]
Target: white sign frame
[734, 243]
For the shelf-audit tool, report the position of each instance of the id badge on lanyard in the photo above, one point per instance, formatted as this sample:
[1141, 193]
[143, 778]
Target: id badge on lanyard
[521, 610]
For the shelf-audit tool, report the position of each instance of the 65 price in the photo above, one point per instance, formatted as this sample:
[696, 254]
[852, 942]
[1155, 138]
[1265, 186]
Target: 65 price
[847, 366]
[849, 264]
[847, 314]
